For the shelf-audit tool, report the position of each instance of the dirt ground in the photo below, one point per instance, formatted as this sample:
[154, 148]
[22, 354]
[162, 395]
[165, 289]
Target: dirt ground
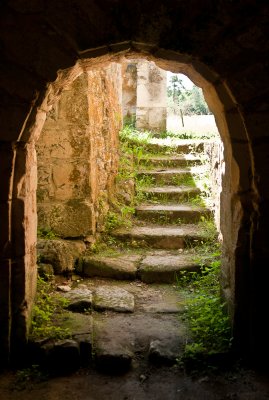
[151, 383]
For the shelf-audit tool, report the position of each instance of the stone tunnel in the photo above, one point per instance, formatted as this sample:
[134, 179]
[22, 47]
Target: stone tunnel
[221, 46]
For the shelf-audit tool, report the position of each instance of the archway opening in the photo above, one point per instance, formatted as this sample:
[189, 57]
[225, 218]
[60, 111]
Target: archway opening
[78, 165]
[217, 95]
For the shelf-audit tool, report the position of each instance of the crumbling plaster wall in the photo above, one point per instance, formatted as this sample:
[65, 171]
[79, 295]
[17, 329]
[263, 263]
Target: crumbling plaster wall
[77, 155]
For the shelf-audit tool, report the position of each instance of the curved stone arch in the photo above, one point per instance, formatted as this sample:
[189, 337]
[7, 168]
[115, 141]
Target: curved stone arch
[22, 215]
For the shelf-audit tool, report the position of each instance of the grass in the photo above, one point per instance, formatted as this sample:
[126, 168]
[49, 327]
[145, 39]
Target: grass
[205, 311]
[123, 217]
[45, 311]
[46, 233]
[152, 143]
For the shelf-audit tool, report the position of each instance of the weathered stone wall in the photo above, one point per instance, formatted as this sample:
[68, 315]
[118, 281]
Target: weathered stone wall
[214, 152]
[77, 155]
[129, 86]
[151, 107]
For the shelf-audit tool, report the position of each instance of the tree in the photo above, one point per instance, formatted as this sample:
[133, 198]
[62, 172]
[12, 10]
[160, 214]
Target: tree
[191, 101]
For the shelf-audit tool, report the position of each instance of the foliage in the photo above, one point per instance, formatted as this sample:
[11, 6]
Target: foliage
[207, 225]
[189, 101]
[205, 311]
[121, 218]
[46, 233]
[45, 312]
[25, 378]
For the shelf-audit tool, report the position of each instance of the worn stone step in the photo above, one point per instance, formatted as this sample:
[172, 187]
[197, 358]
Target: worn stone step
[165, 268]
[171, 213]
[170, 193]
[120, 267]
[183, 160]
[162, 236]
[179, 146]
[149, 267]
[118, 340]
[173, 176]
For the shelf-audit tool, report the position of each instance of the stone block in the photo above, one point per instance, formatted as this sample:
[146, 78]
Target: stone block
[109, 267]
[61, 254]
[113, 299]
[73, 219]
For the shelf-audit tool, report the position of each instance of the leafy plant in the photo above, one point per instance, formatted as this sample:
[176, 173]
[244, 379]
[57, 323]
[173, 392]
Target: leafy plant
[46, 233]
[205, 311]
[45, 312]
[26, 377]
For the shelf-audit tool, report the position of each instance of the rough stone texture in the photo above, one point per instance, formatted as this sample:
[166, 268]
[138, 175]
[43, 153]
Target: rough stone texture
[45, 270]
[113, 299]
[166, 352]
[109, 267]
[151, 97]
[171, 193]
[163, 237]
[171, 213]
[80, 299]
[168, 176]
[215, 155]
[77, 154]
[164, 268]
[61, 254]
[183, 160]
[222, 47]
[129, 90]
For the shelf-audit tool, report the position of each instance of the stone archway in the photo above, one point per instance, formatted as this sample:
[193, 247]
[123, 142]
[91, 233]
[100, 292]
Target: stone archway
[25, 185]
[242, 116]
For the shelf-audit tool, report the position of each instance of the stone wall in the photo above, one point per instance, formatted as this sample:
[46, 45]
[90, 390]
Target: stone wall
[129, 89]
[77, 154]
[151, 107]
[215, 154]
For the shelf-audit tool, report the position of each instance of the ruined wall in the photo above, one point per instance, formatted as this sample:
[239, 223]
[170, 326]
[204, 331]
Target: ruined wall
[214, 152]
[151, 110]
[129, 95]
[77, 155]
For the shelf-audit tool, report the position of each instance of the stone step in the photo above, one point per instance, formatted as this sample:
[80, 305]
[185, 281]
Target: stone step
[170, 213]
[162, 236]
[132, 323]
[165, 268]
[171, 193]
[121, 267]
[178, 146]
[183, 160]
[175, 176]
[154, 266]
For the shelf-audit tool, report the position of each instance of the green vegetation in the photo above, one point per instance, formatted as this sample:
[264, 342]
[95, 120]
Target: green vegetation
[205, 310]
[142, 143]
[45, 312]
[116, 219]
[190, 101]
[25, 378]
[46, 233]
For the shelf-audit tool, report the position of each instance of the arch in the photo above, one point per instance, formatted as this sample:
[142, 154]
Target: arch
[26, 99]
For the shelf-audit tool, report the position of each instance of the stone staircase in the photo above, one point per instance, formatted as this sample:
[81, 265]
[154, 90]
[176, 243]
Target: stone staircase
[131, 301]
